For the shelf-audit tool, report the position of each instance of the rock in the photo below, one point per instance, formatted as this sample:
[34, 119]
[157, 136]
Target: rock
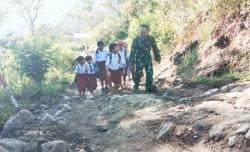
[32, 134]
[59, 113]
[231, 141]
[47, 120]
[243, 129]
[247, 136]
[180, 130]
[172, 94]
[54, 146]
[228, 87]
[218, 107]
[44, 106]
[2, 149]
[216, 133]
[12, 145]
[66, 98]
[200, 126]
[120, 115]
[165, 130]
[31, 147]
[208, 93]
[64, 108]
[18, 122]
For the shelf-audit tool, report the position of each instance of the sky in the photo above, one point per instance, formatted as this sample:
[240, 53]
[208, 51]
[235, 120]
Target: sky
[53, 12]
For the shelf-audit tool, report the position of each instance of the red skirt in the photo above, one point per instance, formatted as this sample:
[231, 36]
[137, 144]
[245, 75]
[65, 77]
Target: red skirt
[92, 82]
[116, 76]
[81, 81]
[101, 72]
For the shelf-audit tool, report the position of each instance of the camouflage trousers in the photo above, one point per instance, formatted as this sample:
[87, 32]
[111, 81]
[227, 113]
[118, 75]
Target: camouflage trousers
[139, 73]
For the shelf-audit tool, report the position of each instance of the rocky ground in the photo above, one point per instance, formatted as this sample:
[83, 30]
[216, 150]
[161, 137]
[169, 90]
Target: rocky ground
[175, 120]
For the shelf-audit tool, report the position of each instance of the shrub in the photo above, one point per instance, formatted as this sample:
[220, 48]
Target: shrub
[32, 57]
[186, 68]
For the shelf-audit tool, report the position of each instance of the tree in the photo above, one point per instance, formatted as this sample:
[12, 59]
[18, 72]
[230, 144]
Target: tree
[29, 11]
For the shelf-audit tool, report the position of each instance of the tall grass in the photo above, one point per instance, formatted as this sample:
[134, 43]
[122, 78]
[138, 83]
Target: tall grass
[223, 79]
[186, 68]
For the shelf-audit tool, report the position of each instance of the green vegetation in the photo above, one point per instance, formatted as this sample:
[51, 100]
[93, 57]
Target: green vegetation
[35, 68]
[171, 21]
[222, 80]
[186, 68]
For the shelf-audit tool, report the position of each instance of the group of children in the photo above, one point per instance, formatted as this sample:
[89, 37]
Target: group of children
[110, 67]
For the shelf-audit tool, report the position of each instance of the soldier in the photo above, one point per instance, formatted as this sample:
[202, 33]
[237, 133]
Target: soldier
[140, 58]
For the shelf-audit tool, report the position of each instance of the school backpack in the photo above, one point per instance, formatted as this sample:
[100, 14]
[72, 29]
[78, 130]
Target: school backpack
[110, 58]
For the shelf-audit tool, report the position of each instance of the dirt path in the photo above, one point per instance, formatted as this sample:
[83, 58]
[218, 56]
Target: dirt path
[176, 120]
[121, 123]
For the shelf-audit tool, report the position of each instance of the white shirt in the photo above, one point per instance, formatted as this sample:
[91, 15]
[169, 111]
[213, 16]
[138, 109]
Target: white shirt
[91, 68]
[114, 62]
[124, 55]
[81, 69]
[101, 55]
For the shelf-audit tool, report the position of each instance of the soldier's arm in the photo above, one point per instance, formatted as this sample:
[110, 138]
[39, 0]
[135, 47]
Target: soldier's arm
[132, 56]
[156, 50]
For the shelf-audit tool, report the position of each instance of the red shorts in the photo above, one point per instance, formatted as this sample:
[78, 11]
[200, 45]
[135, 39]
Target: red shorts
[92, 82]
[81, 81]
[116, 76]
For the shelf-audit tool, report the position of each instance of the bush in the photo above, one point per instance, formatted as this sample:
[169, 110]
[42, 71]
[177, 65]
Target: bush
[186, 68]
[32, 57]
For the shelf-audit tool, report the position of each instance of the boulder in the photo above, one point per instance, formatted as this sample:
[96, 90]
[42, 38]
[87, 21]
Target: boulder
[12, 145]
[216, 133]
[232, 141]
[218, 107]
[247, 136]
[54, 146]
[243, 129]
[165, 129]
[18, 122]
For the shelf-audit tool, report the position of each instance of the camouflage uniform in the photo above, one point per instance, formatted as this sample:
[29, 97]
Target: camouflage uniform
[141, 57]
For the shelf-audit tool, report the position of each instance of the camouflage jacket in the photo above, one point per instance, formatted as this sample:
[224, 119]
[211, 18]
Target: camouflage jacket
[141, 50]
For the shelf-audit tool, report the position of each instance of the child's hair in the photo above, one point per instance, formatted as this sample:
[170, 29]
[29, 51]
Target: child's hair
[112, 46]
[80, 58]
[100, 43]
[88, 58]
[145, 26]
